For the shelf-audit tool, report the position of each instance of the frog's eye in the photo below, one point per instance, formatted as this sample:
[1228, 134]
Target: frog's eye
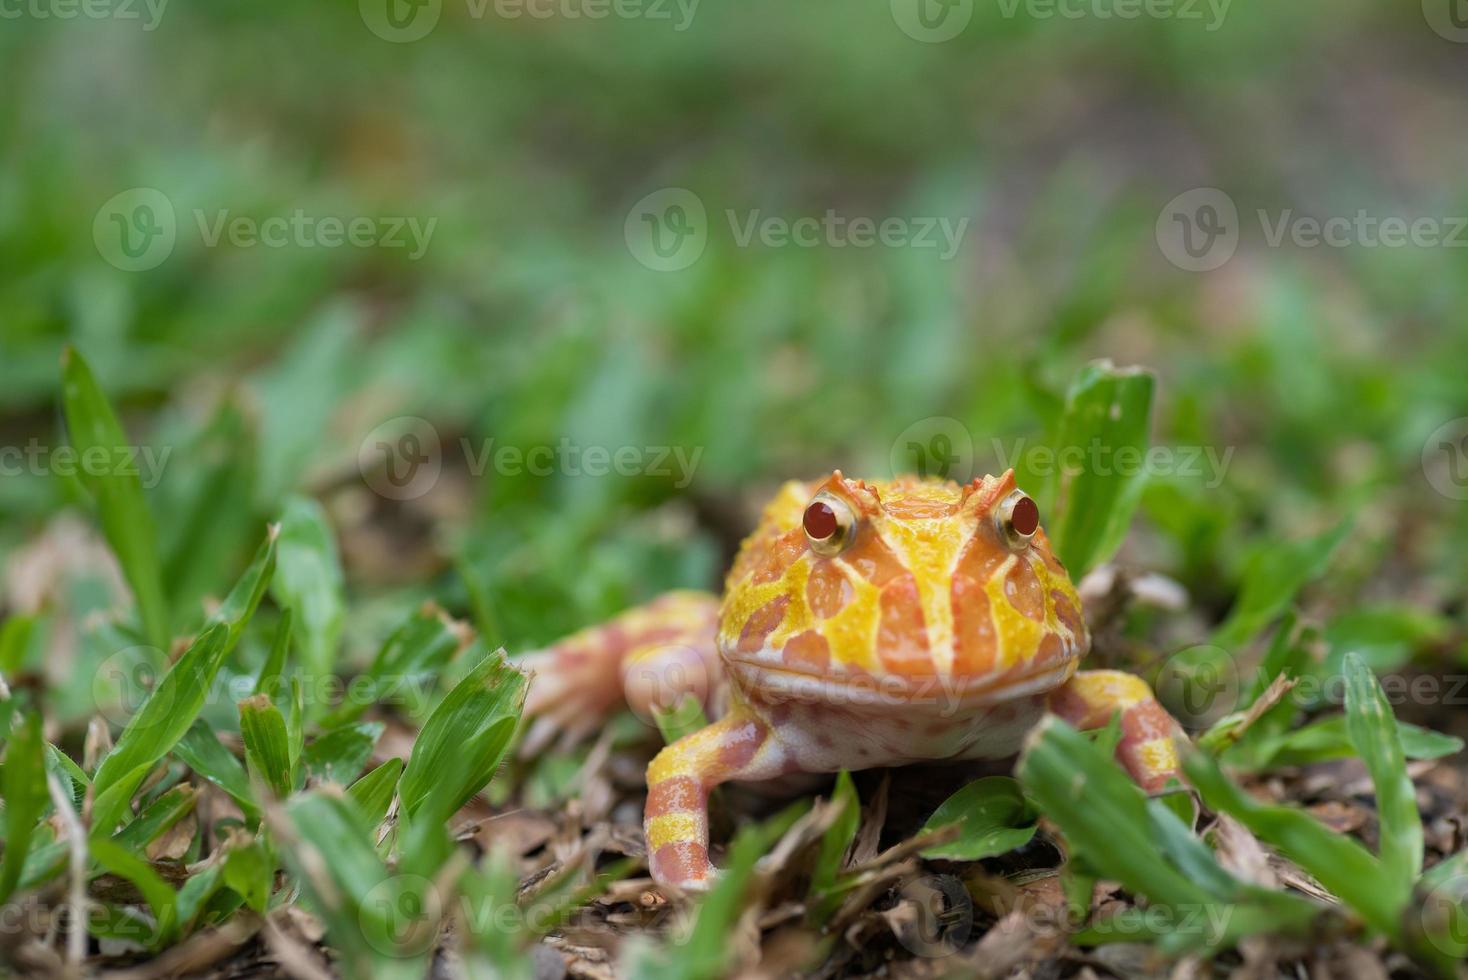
[829, 524]
[1017, 518]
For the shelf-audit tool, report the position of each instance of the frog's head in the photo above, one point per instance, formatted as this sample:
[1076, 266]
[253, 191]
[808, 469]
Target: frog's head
[909, 579]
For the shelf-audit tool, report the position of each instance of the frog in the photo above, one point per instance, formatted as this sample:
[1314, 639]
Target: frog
[861, 625]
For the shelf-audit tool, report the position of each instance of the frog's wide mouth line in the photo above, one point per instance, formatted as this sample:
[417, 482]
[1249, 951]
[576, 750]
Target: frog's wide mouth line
[791, 683]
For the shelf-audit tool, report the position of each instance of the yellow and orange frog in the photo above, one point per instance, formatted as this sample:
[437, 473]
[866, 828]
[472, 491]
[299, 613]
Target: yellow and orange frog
[862, 625]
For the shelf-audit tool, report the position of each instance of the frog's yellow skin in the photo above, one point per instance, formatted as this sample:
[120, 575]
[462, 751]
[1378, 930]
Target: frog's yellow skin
[931, 635]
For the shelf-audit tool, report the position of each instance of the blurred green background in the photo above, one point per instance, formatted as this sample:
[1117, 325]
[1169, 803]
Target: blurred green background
[530, 143]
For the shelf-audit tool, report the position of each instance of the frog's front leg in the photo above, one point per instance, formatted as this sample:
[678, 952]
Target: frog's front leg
[676, 821]
[1148, 747]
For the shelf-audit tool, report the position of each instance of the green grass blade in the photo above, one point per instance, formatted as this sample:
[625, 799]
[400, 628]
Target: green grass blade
[1373, 731]
[162, 720]
[835, 842]
[237, 608]
[202, 752]
[127, 523]
[159, 894]
[1272, 579]
[158, 817]
[373, 792]
[339, 755]
[308, 581]
[24, 785]
[411, 658]
[463, 739]
[1342, 865]
[1100, 450]
[267, 746]
[15, 641]
[1102, 813]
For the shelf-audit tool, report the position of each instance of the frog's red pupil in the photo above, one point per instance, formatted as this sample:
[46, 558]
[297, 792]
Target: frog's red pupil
[1025, 517]
[820, 520]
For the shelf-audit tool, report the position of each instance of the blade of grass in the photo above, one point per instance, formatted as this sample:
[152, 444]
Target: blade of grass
[1344, 867]
[1102, 813]
[160, 896]
[127, 523]
[338, 756]
[1272, 579]
[308, 581]
[159, 724]
[462, 741]
[1106, 420]
[202, 752]
[373, 792]
[271, 672]
[24, 783]
[835, 842]
[1373, 731]
[267, 746]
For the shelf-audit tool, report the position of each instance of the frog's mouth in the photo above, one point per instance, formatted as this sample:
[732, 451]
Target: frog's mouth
[920, 693]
